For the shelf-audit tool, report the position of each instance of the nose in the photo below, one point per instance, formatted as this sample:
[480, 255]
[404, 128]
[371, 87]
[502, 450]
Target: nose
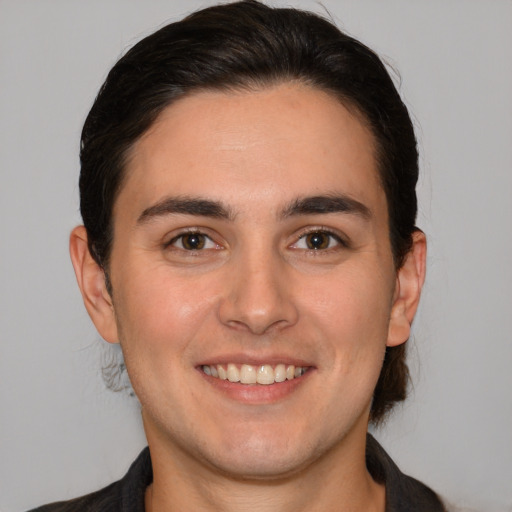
[259, 296]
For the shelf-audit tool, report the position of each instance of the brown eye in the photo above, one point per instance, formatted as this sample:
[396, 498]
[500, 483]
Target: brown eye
[316, 241]
[193, 241]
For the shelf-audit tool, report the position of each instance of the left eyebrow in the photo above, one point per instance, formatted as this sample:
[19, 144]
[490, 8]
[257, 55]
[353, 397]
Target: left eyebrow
[316, 205]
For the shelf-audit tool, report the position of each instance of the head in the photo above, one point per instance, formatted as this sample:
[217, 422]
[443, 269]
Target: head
[246, 47]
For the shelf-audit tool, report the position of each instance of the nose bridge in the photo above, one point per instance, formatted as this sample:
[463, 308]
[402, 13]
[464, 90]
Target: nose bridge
[258, 298]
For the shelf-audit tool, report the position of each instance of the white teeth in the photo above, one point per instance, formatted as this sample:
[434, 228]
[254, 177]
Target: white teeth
[233, 373]
[264, 374]
[222, 373]
[247, 374]
[280, 373]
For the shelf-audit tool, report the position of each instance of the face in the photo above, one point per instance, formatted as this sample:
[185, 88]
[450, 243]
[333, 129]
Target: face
[251, 243]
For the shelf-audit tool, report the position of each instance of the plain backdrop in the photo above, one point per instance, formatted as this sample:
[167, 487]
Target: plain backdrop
[63, 434]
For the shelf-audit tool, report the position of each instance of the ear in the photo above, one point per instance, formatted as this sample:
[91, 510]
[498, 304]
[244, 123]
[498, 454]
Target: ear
[91, 280]
[409, 282]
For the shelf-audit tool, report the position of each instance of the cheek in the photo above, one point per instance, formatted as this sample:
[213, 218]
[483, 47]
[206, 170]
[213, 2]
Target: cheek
[162, 310]
[352, 310]
[158, 318]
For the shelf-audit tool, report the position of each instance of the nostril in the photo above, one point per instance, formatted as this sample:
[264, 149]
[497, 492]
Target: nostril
[259, 328]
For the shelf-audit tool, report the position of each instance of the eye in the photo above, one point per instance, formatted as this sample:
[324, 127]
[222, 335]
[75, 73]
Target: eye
[317, 241]
[193, 242]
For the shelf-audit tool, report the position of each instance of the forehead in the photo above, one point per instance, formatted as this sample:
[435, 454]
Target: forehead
[248, 146]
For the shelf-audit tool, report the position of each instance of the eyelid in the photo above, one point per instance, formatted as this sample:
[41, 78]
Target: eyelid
[340, 238]
[191, 231]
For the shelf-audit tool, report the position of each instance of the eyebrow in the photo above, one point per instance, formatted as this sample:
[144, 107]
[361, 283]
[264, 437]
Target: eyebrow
[316, 205]
[187, 206]
[311, 205]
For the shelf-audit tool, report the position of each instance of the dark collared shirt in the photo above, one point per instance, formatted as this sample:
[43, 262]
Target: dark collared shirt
[403, 493]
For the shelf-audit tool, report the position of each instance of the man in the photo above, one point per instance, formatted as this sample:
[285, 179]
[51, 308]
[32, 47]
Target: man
[247, 191]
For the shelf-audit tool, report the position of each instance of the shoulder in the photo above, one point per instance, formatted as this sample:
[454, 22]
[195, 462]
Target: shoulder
[125, 495]
[106, 499]
[403, 493]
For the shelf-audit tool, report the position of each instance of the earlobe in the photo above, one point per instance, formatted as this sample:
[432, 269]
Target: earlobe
[91, 280]
[410, 279]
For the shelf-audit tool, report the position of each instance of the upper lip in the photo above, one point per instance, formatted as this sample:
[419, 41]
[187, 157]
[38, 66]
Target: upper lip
[255, 360]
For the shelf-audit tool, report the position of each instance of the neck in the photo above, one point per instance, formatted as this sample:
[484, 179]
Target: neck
[337, 480]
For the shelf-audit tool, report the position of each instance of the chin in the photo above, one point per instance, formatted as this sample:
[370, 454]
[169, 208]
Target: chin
[262, 457]
[268, 466]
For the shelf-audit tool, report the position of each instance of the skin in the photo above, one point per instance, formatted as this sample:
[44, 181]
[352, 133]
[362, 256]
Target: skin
[255, 293]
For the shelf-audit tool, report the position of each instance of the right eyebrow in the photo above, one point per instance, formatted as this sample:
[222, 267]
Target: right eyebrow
[187, 206]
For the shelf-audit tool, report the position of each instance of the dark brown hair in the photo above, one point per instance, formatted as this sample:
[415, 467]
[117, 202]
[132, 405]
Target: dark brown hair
[247, 45]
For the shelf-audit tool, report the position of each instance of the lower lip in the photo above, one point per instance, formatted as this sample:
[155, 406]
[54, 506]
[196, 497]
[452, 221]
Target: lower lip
[257, 393]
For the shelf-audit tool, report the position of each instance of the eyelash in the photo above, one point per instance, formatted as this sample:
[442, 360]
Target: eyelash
[191, 232]
[340, 241]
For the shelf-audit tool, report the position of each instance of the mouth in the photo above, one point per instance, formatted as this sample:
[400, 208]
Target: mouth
[264, 374]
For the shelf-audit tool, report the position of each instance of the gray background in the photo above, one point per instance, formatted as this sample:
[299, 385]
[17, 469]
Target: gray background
[62, 434]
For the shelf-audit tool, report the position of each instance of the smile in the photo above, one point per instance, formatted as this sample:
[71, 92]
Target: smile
[265, 374]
